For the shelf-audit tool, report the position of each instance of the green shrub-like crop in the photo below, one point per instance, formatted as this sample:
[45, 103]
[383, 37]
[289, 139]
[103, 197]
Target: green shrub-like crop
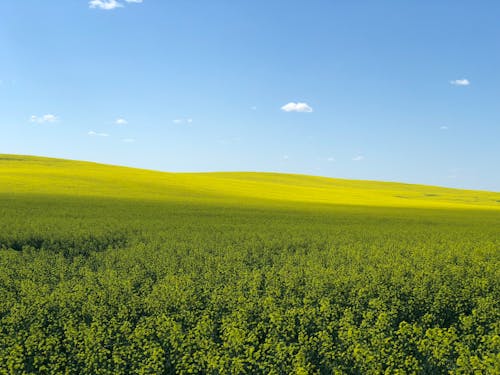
[130, 284]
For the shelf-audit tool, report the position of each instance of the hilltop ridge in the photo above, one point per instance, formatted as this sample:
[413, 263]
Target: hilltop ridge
[20, 174]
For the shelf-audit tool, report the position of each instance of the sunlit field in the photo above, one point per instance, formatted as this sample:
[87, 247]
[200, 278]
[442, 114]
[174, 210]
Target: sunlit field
[108, 270]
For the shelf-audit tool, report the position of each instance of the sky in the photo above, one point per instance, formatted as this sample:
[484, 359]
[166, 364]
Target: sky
[403, 91]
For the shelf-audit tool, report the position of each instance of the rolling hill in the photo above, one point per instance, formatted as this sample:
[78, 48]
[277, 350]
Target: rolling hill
[114, 270]
[47, 176]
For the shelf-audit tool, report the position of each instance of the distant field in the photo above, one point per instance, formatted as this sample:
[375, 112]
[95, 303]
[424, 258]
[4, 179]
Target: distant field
[108, 270]
[26, 174]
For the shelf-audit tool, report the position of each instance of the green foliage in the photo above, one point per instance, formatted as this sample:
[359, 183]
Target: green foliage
[94, 285]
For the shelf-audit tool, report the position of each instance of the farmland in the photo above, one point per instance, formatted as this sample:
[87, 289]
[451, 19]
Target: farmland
[108, 270]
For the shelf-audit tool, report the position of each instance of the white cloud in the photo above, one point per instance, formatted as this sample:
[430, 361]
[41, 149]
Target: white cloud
[460, 82]
[105, 4]
[183, 121]
[253, 108]
[128, 140]
[228, 141]
[121, 121]
[95, 134]
[286, 157]
[444, 127]
[43, 119]
[110, 4]
[330, 159]
[454, 173]
[358, 158]
[297, 107]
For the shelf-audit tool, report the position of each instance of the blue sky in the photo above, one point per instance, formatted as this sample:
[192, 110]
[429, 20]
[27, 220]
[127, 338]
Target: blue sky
[385, 90]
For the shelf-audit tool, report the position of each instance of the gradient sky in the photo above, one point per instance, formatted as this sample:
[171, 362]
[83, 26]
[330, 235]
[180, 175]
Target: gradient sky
[387, 90]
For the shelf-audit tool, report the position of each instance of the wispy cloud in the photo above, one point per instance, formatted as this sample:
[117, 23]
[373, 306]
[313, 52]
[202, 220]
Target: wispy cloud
[183, 121]
[121, 121]
[43, 119]
[7, 82]
[110, 4]
[297, 107]
[95, 134]
[105, 4]
[358, 158]
[128, 140]
[286, 157]
[460, 82]
[228, 141]
[330, 159]
[453, 173]
[444, 127]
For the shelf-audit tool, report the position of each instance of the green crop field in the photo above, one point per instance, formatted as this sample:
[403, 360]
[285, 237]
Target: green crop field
[114, 270]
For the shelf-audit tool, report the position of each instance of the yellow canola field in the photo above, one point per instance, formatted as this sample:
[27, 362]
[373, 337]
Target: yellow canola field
[21, 174]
